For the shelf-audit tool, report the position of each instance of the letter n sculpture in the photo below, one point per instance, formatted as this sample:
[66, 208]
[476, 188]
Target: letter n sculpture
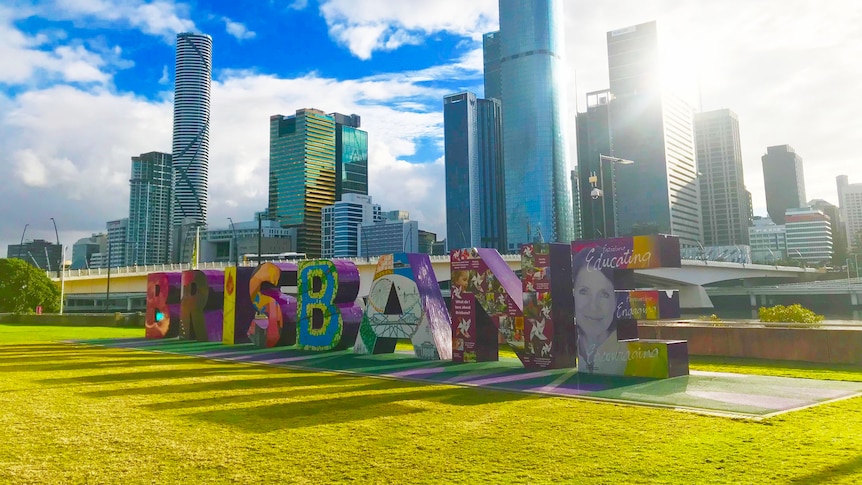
[487, 300]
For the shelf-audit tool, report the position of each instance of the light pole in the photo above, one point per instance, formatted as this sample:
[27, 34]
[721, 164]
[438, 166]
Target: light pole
[108, 281]
[60, 263]
[21, 246]
[235, 243]
[259, 236]
[62, 280]
[598, 190]
[702, 253]
[801, 258]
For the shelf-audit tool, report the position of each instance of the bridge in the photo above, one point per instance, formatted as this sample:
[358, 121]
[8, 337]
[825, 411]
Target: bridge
[125, 289]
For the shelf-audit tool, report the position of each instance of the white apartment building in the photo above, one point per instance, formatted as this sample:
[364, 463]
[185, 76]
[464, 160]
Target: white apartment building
[341, 223]
[809, 235]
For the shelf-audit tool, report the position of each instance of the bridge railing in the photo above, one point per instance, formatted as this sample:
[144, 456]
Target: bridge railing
[361, 261]
[154, 268]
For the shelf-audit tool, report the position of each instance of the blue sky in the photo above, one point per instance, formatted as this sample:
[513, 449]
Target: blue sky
[87, 84]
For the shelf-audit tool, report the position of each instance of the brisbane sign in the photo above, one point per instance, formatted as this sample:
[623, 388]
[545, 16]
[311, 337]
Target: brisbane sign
[573, 306]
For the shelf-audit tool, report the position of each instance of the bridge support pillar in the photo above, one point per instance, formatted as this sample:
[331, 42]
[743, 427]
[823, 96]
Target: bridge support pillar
[694, 297]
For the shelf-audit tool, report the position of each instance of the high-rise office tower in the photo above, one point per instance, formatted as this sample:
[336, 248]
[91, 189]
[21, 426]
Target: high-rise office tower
[341, 226]
[394, 233]
[809, 235]
[85, 248]
[191, 135]
[150, 209]
[351, 156]
[839, 236]
[118, 245]
[850, 203]
[491, 56]
[597, 214]
[532, 66]
[302, 173]
[783, 180]
[724, 200]
[475, 187]
[658, 192]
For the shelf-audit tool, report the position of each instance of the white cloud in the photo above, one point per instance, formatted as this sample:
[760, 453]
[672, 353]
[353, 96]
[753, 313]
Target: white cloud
[298, 5]
[72, 146]
[162, 18]
[366, 26]
[237, 30]
[25, 59]
[166, 76]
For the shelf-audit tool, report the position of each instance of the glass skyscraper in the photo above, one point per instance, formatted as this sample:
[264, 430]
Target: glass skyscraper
[341, 225]
[783, 180]
[315, 159]
[302, 173]
[351, 156]
[475, 187]
[659, 192]
[724, 200]
[191, 134]
[531, 62]
[150, 209]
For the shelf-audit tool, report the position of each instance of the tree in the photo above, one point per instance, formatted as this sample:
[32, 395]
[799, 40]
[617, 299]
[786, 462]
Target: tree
[23, 288]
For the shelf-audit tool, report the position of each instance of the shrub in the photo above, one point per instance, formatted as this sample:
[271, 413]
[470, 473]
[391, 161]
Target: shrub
[795, 313]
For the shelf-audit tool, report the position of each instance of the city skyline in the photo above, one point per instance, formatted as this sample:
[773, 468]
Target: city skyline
[82, 91]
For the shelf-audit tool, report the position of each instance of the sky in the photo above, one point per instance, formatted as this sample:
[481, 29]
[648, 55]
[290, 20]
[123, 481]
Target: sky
[87, 84]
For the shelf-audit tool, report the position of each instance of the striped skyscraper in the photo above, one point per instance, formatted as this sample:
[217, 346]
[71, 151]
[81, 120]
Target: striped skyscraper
[191, 137]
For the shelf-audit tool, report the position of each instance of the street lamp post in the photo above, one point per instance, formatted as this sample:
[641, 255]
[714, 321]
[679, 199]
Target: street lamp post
[60, 264]
[598, 191]
[21, 246]
[235, 243]
[702, 253]
[108, 281]
[62, 280]
[259, 236]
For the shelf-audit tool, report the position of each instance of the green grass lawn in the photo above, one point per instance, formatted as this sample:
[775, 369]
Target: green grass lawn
[75, 414]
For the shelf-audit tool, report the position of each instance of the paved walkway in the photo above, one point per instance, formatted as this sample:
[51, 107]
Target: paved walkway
[741, 395]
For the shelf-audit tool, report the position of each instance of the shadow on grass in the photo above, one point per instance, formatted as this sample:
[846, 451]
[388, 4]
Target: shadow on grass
[271, 381]
[278, 399]
[345, 409]
[286, 390]
[850, 467]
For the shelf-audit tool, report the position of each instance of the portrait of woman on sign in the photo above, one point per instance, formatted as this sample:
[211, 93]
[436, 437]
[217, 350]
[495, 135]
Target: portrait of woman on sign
[595, 304]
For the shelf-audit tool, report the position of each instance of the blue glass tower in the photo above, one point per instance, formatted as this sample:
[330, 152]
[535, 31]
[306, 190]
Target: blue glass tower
[475, 190]
[538, 195]
[351, 156]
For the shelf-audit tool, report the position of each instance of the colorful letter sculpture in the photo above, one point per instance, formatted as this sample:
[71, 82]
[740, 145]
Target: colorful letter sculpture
[328, 317]
[405, 302]
[605, 316]
[487, 300]
[546, 274]
[163, 305]
[238, 310]
[273, 322]
[201, 314]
